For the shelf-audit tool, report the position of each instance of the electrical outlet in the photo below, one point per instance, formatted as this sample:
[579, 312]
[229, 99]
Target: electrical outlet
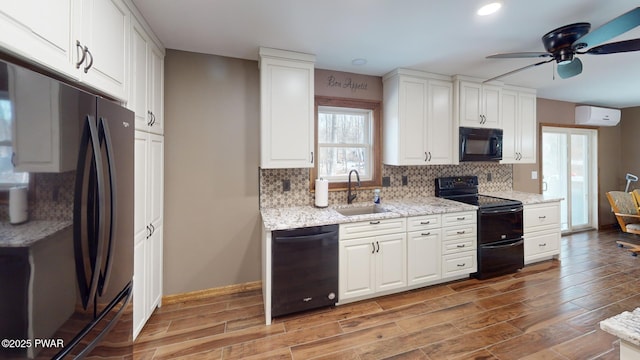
[488, 176]
[405, 180]
[534, 175]
[386, 181]
[286, 185]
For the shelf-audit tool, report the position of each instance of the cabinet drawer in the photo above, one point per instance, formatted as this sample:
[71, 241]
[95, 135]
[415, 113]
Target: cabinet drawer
[541, 216]
[458, 264]
[458, 232]
[459, 245]
[372, 228]
[541, 243]
[417, 223]
[467, 217]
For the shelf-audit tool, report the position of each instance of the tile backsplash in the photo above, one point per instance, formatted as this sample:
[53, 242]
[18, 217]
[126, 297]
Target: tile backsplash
[421, 182]
[53, 197]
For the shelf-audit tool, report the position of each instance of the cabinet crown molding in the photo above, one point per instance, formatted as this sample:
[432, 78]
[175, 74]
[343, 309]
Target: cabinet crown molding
[415, 73]
[265, 52]
[476, 80]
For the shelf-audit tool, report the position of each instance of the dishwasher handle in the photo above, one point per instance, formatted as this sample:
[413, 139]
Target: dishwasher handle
[306, 238]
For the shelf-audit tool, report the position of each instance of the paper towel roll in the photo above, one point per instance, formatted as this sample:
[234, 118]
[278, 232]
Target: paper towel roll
[322, 193]
[18, 212]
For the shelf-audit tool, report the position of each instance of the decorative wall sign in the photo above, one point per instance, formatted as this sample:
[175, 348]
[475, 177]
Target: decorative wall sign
[348, 85]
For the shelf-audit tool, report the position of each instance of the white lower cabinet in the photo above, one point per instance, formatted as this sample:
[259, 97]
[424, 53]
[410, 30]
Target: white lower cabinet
[541, 231]
[459, 244]
[372, 258]
[392, 255]
[424, 258]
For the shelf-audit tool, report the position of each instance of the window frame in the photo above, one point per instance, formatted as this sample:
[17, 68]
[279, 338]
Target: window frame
[376, 147]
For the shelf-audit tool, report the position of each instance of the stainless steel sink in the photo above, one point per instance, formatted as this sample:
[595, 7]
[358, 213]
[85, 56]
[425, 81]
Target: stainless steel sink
[361, 210]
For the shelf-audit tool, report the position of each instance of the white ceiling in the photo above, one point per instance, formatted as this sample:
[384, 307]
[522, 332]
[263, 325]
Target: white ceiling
[439, 36]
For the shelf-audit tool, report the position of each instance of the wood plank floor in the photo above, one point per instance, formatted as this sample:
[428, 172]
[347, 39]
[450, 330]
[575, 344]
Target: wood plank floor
[550, 310]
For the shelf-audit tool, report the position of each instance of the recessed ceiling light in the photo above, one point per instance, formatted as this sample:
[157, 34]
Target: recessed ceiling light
[358, 61]
[489, 9]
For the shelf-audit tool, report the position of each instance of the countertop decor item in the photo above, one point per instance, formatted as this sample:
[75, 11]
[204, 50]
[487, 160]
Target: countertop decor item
[322, 193]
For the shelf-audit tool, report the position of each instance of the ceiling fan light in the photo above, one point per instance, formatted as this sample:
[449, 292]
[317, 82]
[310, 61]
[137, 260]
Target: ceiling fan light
[489, 9]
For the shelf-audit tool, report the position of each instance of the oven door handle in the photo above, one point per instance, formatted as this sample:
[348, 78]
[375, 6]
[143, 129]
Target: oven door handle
[517, 243]
[502, 211]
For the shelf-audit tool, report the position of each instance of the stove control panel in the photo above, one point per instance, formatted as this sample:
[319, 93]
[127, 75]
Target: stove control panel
[457, 182]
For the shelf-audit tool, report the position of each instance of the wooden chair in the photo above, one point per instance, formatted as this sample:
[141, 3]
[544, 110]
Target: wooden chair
[625, 208]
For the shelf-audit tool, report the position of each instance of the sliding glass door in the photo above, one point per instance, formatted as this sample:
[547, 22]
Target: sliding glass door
[569, 171]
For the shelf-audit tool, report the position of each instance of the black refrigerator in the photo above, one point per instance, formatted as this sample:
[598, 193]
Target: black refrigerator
[67, 294]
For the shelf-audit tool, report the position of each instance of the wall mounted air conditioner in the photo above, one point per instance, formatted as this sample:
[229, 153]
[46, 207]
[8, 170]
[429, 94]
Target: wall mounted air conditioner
[597, 116]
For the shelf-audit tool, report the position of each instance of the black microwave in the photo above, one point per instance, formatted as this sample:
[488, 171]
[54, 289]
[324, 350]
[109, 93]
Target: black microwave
[480, 144]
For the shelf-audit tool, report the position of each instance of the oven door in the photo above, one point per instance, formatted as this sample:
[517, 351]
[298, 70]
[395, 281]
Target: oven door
[499, 224]
[500, 258]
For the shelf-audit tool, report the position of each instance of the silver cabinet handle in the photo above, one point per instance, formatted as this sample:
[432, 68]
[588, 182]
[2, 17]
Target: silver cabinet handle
[426, 157]
[462, 265]
[312, 157]
[545, 244]
[461, 218]
[378, 249]
[86, 68]
[425, 222]
[542, 217]
[426, 234]
[461, 246]
[460, 232]
[84, 53]
[374, 222]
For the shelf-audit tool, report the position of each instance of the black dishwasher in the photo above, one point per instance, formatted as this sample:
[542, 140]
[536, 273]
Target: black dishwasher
[305, 269]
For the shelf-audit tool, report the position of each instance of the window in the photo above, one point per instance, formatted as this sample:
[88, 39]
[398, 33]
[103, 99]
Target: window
[347, 138]
[8, 178]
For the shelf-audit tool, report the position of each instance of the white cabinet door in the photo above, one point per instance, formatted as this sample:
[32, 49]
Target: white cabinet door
[423, 256]
[480, 105]
[156, 179]
[105, 32]
[147, 81]
[440, 122]
[519, 127]
[156, 90]
[357, 268]
[286, 110]
[492, 102]
[140, 75]
[412, 115]
[528, 128]
[155, 249]
[39, 30]
[139, 286]
[391, 269]
[148, 224]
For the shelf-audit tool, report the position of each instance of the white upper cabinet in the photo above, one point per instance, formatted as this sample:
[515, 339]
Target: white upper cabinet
[86, 40]
[40, 30]
[519, 126]
[147, 81]
[104, 40]
[286, 109]
[479, 104]
[418, 118]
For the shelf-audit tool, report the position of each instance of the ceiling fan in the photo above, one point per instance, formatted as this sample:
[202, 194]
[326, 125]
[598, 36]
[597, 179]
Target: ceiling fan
[564, 43]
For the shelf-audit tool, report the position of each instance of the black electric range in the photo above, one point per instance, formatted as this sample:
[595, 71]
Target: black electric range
[500, 225]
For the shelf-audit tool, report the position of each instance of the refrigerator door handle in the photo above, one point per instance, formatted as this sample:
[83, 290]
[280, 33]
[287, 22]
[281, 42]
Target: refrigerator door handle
[110, 204]
[87, 242]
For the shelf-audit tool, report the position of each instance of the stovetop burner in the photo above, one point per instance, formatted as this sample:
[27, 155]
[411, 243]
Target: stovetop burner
[465, 189]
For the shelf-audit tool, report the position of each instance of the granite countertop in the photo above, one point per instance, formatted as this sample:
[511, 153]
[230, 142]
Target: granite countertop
[626, 326]
[29, 233]
[526, 198]
[304, 216]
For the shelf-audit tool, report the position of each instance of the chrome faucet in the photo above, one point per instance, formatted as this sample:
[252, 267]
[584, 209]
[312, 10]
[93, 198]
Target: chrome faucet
[351, 197]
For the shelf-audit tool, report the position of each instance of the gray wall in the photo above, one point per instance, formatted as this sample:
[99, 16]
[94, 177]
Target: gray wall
[212, 223]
